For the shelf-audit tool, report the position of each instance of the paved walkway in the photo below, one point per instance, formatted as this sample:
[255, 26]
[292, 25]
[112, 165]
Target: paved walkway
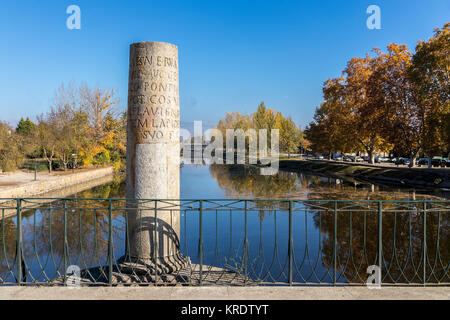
[20, 177]
[225, 293]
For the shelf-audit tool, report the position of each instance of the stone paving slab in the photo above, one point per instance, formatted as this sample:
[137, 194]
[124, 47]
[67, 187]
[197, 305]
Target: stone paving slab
[224, 293]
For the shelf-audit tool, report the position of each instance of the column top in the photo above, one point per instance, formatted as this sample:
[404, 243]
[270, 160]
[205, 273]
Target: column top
[146, 43]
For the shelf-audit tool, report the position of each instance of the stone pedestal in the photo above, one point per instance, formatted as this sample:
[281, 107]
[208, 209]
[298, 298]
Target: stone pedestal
[153, 159]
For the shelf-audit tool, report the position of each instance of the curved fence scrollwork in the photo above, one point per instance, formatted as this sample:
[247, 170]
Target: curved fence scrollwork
[228, 241]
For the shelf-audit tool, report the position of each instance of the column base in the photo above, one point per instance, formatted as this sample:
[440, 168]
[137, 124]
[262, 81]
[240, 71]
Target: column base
[162, 266]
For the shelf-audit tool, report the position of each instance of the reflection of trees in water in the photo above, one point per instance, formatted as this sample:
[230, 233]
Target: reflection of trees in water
[247, 180]
[86, 229]
[402, 234]
[116, 189]
[337, 189]
[7, 245]
[43, 230]
[357, 227]
[238, 180]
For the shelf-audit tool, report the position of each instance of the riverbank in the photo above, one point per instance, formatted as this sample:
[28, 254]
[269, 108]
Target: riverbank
[413, 177]
[21, 184]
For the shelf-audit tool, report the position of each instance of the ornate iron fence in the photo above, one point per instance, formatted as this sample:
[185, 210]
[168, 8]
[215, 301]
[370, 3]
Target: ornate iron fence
[50, 241]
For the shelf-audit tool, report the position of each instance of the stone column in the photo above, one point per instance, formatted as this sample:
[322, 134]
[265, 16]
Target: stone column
[153, 158]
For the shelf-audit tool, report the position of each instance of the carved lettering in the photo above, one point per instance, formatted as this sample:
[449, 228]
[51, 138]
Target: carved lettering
[160, 61]
[153, 101]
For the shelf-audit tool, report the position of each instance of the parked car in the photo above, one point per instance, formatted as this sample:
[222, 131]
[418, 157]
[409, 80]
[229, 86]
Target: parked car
[319, 156]
[439, 162]
[359, 159]
[422, 162]
[383, 159]
[403, 161]
[348, 158]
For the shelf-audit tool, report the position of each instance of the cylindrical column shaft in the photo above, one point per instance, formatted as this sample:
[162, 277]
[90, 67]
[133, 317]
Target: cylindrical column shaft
[153, 153]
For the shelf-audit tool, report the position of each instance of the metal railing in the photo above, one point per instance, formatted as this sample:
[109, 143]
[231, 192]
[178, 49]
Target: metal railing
[227, 242]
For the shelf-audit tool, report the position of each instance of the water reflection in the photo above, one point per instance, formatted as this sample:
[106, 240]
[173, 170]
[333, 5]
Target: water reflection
[239, 181]
[403, 239]
[58, 234]
[261, 235]
[357, 227]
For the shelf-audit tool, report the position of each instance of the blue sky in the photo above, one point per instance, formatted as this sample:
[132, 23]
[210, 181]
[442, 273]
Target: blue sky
[233, 54]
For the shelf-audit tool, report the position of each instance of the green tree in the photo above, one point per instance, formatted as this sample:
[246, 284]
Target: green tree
[25, 127]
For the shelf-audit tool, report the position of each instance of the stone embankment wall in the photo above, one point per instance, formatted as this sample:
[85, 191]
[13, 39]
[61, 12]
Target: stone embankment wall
[413, 177]
[35, 188]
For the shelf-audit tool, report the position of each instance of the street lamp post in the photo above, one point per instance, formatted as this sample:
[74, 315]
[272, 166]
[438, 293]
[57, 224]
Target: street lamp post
[35, 169]
[73, 162]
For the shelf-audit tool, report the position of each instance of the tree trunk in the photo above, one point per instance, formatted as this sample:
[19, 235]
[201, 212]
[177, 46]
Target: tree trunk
[49, 159]
[65, 161]
[49, 165]
[371, 156]
[412, 161]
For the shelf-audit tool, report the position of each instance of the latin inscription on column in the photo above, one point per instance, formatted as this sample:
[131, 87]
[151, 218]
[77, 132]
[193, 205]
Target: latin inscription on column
[153, 97]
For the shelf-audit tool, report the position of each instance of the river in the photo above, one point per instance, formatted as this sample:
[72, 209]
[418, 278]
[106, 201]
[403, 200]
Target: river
[266, 228]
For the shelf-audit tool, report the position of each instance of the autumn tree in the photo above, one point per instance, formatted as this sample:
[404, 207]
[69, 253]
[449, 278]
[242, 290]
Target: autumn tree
[46, 137]
[430, 74]
[289, 134]
[83, 121]
[401, 120]
[365, 115]
[60, 117]
[265, 118]
[11, 154]
[389, 101]
[100, 108]
[235, 120]
[318, 133]
[332, 129]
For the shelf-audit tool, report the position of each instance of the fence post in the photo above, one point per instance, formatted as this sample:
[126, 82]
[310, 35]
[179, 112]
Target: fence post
[155, 243]
[424, 241]
[19, 242]
[335, 243]
[245, 244]
[65, 240]
[110, 244]
[290, 244]
[380, 235]
[200, 241]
